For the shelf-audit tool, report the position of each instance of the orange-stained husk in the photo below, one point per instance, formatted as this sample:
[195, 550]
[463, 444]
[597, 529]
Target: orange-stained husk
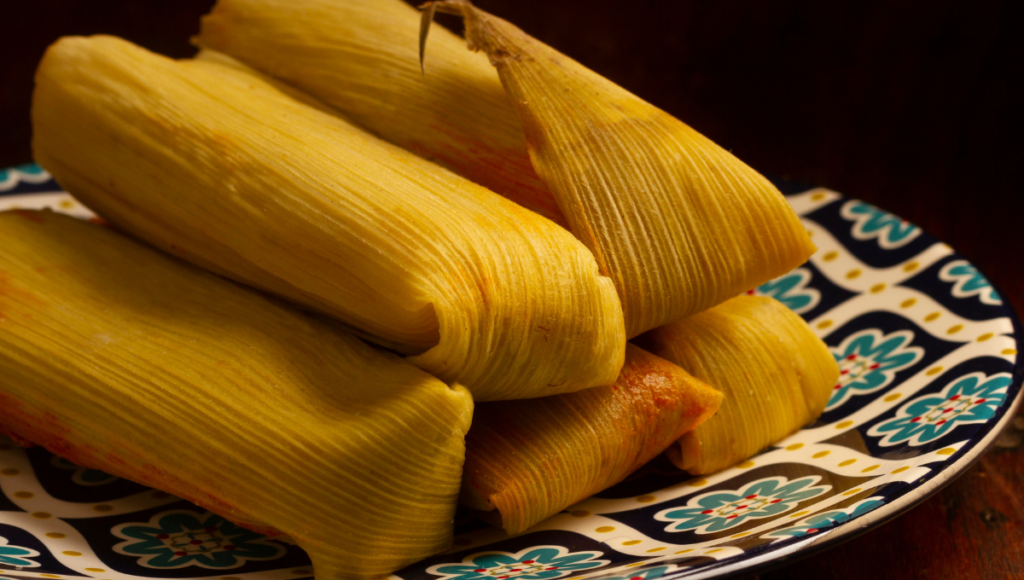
[123, 359]
[530, 459]
[775, 373]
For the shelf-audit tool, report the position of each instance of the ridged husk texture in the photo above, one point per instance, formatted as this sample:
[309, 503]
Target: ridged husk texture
[360, 57]
[776, 376]
[678, 222]
[531, 459]
[122, 359]
[210, 163]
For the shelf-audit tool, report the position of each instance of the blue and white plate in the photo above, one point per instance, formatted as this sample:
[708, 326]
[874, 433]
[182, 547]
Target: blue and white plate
[930, 375]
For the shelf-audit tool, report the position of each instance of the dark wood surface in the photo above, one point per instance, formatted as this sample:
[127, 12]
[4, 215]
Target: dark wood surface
[913, 106]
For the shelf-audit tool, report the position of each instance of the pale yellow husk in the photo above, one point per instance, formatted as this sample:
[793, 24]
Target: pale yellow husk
[528, 460]
[678, 222]
[123, 359]
[361, 58]
[212, 164]
[775, 373]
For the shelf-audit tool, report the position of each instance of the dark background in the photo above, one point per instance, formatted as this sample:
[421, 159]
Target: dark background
[913, 106]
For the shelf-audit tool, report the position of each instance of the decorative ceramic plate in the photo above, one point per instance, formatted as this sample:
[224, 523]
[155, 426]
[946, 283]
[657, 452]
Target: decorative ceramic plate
[928, 354]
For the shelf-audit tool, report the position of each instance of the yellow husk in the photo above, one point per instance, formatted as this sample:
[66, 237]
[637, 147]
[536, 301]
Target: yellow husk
[531, 459]
[361, 58]
[678, 222]
[212, 164]
[125, 360]
[775, 373]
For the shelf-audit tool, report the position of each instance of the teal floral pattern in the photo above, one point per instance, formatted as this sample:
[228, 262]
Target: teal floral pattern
[968, 282]
[181, 538]
[30, 173]
[720, 510]
[16, 555]
[82, 475]
[791, 290]
[826, 520]
[971, 399]
[868, 361]
[539, 563]
[873, 223]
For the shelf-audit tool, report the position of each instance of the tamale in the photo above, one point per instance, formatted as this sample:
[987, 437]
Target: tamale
[122, 359]
[531, 459]
[678, 222]
[360, 57]
[212, 164]
[775, 373]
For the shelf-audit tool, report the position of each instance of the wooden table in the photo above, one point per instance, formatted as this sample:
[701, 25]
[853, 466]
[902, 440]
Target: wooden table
[912, 106]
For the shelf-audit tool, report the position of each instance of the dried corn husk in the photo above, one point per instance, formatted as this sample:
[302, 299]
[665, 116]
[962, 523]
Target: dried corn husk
[679, 223]
[531, 459]
[361, 58]
[122, 359]
[775, 373]
[212, 164]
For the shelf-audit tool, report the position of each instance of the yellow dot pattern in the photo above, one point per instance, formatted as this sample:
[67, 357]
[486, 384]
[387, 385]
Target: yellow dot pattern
[821, 454]
[870, 468]
[901, 469]
[955, 329]
[70, 553]
[933, 371]
[855, 273]
[932, 316]
[892, 397]
[652, 550]
[847, 462]
[877, 288]
[631, 543]
[908, 303]
[911, 267]
[794, 447]
[746, 465]
[985, 337]
[844, 425]
[24, 494]
[853, 491]
[825, 324]
[605, 529]
[697, 483]
[41, 515]
[830, 256]
[56, 535]
[946, 451]
[646, 499]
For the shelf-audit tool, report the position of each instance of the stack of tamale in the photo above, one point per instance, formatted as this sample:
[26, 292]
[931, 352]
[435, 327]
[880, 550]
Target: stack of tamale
[503, 221]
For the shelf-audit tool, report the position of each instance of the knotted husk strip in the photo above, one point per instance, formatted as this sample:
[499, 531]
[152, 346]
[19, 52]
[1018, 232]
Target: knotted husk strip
[679, 223]
[119, 358]
[361, 58]
[531, 459]
[775, 373]
[214, 165]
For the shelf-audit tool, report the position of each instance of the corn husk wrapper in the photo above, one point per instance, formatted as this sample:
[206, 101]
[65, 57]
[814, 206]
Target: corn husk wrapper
[678, 222]
[527, 460]
[278, 422]
[776, 376]
[214, 165]
[361, 58]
